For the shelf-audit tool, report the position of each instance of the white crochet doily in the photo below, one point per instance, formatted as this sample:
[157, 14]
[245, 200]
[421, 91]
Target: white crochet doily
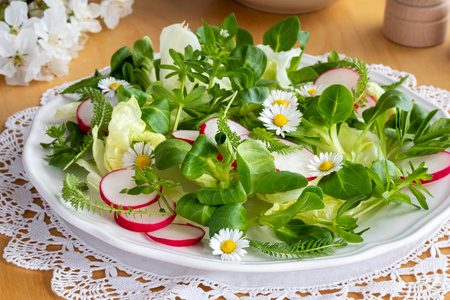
[86, 268]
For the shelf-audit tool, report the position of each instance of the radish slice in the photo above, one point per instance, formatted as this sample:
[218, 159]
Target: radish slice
[210, 128]
[186, 135]
[146, 222]
[370, 102]
[85, 113]
[438, 165]
[344, 76]
[177, 235]
[113, 182]
[296, 161]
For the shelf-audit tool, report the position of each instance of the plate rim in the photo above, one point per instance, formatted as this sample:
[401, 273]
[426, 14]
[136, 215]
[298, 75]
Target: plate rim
[209, 263]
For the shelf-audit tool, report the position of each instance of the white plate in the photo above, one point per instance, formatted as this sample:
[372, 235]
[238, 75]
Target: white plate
[390, 228]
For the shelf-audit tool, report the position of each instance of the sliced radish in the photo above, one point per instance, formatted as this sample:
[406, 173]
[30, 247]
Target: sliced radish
[115, 181]
[344, 76]
[186, 135]
[177, 235]
[438, 165]
[210, 128]
[85, 113]
[147, 222]
[296, 161]
[370, 102]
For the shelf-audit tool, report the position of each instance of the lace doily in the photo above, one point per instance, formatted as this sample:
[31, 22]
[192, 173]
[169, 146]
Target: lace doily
[85, 270]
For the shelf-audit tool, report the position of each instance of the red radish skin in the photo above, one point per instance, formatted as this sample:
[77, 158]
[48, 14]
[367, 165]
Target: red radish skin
[438, 165]
[294, 162]
[177, 235]
[85, 113]
[210, 128]
[146, 222]
[344, 76]
[113, 182]
[186, 135]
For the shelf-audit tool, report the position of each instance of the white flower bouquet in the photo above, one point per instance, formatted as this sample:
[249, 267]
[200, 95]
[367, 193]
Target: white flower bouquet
[39, 38]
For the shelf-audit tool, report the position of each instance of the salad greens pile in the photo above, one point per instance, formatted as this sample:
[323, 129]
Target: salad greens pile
[218, 72]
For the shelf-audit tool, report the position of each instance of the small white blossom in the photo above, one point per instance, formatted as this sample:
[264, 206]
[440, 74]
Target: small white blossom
[280, 97]
[109, 86]
[16, 18]
[85, 15]
[229, 244]
[280, 118]
[224, 33]
[325, 163]
[112, 10]
[139, 155]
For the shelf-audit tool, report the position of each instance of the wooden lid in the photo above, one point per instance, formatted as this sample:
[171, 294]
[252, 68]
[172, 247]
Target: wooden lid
[417, 13]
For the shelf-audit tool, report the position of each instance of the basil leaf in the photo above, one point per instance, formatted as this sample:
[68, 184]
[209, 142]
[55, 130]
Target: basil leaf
[142, 50]
[335, 104]
[171, 153]
[234, 193]
[243, 37]
[190, 208]
[283, 35]
[282, 181]
[232, 216]
[197, 159]
[118, 59]
[388, 100]
[157, 116]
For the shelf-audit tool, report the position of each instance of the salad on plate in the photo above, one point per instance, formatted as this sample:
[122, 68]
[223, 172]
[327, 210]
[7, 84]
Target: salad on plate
[238, 146]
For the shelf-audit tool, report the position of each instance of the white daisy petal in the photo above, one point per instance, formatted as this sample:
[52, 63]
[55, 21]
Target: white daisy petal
[310, 90]
[229, 244]
[109, 86]
[138, 149]
[325, 163]
[280, 97]
[281, 118]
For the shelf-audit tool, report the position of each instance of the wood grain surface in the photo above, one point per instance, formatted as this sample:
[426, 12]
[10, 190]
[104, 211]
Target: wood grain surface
[351, 27]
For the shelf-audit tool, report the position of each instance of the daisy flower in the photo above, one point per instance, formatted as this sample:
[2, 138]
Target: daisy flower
[325, 164]
[281, 98]
[310, 90]
[280, 118]
[138, 155]
[109, 86]
[229, 244]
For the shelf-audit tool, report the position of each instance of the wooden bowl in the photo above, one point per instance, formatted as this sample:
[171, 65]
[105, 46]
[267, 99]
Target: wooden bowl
[287, 6]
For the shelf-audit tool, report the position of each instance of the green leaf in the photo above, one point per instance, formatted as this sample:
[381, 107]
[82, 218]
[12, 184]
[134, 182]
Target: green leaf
[87, 82]
[256, 162]
[251, 57]
[254, 94]
[232, 216]
[243, 37]
[350, 181]
[419, 196]
[388, 100]
[230, 25]
[157, 116]
[218, 195]
[142, 50]
[282, 181]
[311, 198]
[124, 94]
[304, 74]
[190, 208]
[203, 152]
[283, 35]
[336, 104]
[171, 153]
[119, 58]
[296, 231]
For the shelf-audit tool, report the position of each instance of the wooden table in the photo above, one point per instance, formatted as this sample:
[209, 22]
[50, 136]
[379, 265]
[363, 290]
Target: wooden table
[351, 27]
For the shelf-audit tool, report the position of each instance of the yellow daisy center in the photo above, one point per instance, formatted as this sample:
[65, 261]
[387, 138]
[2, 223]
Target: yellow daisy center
[280, 102]
[312, 92]
[114, 85]
[142, 161]
[280, 120]
[326, 166]
[228, 246]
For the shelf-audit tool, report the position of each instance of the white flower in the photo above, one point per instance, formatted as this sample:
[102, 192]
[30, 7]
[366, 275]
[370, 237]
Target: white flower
[325, 164]
[279, 97]
[16, 18]
[54, 65]
[112, 10]
[310, 90]
[280, 118]
[109, 86]
[224, 33]
[20, 59]
[85, 15]
[229, 244]
[138, 155]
